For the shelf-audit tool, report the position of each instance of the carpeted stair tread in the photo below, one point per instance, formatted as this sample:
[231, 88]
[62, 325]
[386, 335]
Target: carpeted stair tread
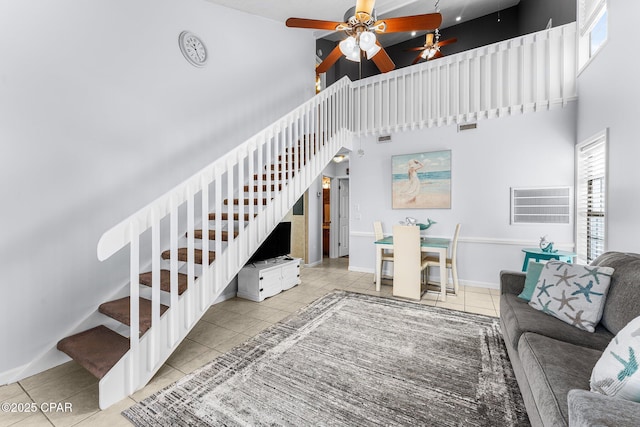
[182, 255]
[212, 235]
[264, 188]
[97, 349]
[225, 216]
[120, 310]
[165, 281]
[246, 201]
[274, 176]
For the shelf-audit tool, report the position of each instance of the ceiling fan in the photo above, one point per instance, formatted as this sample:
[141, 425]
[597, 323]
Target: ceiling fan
[431, 48]
[361, 26]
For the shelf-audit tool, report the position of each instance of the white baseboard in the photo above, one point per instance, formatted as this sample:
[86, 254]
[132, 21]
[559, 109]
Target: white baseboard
[362, 270]
[313, 264]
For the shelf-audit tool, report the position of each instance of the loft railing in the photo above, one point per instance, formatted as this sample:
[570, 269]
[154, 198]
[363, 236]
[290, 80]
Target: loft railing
[523, 74]
[528, 73]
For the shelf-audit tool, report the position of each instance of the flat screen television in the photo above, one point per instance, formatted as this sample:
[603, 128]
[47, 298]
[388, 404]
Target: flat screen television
[278, 243]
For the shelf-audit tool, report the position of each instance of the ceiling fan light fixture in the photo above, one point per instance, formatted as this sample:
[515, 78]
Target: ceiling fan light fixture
[373, 51]
[367, 40]
[348, 46]
[354, 56]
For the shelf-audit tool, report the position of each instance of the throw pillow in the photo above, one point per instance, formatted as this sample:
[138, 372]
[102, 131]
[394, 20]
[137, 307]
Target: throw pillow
[533, 273]
[573, 293]
[616, 373]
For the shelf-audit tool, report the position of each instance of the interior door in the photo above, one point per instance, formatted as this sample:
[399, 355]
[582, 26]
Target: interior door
[343, 218]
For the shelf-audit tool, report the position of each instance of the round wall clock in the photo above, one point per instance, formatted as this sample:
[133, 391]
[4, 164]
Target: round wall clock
[193, 49]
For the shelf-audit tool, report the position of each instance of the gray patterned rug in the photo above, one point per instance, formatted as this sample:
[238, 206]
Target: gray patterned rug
[348, 360]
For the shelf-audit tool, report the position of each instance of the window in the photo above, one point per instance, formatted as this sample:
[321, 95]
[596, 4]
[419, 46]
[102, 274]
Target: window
[591, 192]
[592, 27]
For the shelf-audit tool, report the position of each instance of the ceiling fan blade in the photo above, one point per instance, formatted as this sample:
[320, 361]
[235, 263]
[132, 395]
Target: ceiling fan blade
[314, 23]
[328, 62]
[437, 55]
[429, 21]
[415, 49]
[383, 61]
[447, 41]
[365, 6]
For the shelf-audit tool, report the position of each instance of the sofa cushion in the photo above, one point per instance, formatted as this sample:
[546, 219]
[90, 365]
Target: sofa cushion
[553, 368]
[533, 273]
[623, 300]
[616, 373]
[518, 318]
[573, 293]
[593, 409]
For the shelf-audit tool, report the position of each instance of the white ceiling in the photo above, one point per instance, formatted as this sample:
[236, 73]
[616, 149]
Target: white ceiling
[334, 10]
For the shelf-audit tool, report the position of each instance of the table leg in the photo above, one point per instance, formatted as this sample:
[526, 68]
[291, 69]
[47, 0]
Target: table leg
[526, 262]
[378, 274]
[444, 274]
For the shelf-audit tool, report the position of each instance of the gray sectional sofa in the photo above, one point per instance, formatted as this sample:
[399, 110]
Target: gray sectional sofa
[553, 360]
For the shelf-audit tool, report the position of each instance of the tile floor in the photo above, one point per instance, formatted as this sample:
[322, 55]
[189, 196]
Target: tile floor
[222, 327]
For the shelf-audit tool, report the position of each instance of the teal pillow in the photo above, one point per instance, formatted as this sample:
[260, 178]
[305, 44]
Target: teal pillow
[533, 274]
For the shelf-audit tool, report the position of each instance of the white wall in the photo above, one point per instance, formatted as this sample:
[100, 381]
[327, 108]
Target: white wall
[530, 150]
[608, 95]
[99, 115]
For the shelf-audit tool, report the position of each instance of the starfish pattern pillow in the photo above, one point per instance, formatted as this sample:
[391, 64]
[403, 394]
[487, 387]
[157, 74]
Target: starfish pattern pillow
[573, 293]
[616, 372]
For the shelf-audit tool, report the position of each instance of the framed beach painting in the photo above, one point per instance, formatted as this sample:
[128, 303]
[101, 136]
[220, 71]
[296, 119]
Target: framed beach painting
[421, 180]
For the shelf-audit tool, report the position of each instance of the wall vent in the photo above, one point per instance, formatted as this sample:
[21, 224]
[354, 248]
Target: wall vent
[384, 138]
[467, 126]
[541, 205]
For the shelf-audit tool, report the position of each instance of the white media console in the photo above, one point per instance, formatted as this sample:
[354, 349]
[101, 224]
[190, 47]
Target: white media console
[264, 279]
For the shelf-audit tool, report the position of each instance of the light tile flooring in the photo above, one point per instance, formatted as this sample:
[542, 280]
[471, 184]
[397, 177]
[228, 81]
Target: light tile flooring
[222, 327]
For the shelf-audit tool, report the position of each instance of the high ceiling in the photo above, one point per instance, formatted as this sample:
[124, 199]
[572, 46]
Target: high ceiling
[334, 10]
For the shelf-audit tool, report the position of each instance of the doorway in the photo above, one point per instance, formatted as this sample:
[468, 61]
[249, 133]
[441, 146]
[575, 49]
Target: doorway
[335, 217]
[343, 217]
[326, 216]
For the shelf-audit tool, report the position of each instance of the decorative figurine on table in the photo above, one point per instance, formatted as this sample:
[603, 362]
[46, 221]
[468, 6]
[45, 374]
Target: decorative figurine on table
[410, 221]
[427, 225]
[547, 246]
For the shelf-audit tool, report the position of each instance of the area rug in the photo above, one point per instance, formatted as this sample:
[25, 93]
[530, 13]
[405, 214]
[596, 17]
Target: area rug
[350, 359]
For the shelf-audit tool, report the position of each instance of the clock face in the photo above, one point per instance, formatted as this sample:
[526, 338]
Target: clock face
[193, 49]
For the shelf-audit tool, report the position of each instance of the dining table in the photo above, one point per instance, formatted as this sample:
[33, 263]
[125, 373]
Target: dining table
[437, 245]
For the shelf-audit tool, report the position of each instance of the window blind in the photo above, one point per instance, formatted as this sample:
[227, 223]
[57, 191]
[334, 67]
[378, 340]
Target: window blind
[591, 197]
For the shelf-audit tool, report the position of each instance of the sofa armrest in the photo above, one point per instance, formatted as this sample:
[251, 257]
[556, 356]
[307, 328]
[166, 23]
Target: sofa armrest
[594, 409]
[511, 282]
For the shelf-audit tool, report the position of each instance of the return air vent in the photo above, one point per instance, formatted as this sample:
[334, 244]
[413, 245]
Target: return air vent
[384, 138]
[467, 126]
[541, 205]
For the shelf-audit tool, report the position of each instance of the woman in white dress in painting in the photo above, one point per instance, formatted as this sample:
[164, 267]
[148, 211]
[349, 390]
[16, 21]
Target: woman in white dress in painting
[412, 189]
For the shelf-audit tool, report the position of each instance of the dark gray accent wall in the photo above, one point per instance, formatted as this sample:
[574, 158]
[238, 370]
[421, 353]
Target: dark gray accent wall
[471, 34]
[533, 15]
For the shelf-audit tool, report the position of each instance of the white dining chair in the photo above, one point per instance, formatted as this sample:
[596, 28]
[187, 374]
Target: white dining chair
[387, 255]
[451, 263]
[408, 263]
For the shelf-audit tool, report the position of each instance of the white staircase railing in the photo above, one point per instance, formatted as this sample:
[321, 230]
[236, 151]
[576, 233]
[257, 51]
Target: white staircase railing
[523, 74]
[306, 139]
